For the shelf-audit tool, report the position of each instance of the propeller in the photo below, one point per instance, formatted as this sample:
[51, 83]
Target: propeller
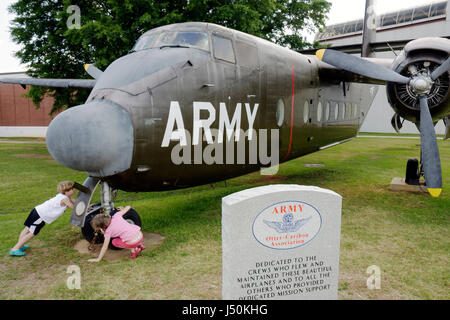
[421, 85]
[441, 69]
[430, 151]
[93, 71]
[359, 66]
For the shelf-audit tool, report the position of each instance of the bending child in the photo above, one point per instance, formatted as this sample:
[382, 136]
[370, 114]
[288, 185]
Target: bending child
[126, 235]
[46, 212]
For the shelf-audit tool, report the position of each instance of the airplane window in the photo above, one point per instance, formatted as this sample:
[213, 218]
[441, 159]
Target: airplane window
[280, 112]
[143, 42]
[327, 111]
[319, 111]
[306, 112]
[247, 54]
[197, 40]
[223, 49]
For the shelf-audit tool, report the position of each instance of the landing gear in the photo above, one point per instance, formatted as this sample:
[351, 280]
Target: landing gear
[107, 195]
[412, 172]
[94, 238]
[106, 206]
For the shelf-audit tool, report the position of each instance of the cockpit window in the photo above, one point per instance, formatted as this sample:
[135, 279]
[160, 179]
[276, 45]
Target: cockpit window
[190, 39]
[144, 42]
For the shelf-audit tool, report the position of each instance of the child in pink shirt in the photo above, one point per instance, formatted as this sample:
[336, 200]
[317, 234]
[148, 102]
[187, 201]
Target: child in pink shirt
[126, 235]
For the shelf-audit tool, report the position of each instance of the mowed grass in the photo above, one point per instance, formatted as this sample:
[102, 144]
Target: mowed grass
[405, 234]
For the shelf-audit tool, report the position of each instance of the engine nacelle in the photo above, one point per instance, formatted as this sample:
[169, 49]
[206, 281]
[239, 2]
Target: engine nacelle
[421, 57]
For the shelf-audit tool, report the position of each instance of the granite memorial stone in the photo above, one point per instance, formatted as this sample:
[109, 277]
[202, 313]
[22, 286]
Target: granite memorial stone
[281, 242]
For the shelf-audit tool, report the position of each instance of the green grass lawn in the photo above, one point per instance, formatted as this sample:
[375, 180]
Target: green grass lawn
[405, 234]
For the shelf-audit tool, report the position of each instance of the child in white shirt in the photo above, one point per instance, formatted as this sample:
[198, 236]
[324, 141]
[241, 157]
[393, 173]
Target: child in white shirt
[46, 212]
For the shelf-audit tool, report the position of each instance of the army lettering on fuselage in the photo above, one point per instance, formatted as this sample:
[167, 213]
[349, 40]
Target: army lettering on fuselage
[220, 150]
[225, 125]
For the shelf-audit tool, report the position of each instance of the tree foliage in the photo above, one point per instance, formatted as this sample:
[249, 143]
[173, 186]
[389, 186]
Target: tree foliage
[109, 29]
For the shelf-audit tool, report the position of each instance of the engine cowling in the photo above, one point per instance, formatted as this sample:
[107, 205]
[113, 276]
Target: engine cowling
[417, 61]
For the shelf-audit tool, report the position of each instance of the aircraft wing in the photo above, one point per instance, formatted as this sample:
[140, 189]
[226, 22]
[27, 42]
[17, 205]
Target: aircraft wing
[61, 83]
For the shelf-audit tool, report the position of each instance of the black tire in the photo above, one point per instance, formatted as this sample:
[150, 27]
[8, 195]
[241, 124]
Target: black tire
[412, 172]
[87, 230]
[131, 216]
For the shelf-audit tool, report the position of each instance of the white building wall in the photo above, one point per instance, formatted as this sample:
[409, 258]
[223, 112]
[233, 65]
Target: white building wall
[36, 132]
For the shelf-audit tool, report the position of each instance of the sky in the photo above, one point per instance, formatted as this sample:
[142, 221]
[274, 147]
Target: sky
[341, 11]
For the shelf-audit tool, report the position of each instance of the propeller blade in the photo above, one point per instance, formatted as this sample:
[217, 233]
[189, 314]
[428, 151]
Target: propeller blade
[441, 69]
[359, 66]
[430, 152]
[93, 71]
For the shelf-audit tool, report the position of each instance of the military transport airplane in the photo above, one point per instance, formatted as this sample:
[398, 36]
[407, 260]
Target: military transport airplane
[186, 106]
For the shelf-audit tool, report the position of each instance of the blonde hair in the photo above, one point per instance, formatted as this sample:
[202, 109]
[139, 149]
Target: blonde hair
[64, 186]
[100, 221]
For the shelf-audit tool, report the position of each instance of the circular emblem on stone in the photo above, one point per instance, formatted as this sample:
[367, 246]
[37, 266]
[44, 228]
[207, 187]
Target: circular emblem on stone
[287, 225]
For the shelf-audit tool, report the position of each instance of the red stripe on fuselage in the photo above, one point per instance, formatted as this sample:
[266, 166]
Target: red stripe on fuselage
[292, 112]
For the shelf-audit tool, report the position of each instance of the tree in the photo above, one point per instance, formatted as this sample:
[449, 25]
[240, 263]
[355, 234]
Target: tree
[108, 29]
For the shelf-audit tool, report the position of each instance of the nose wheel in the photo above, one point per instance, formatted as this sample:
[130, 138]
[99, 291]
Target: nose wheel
[83, 213]
[95, 238]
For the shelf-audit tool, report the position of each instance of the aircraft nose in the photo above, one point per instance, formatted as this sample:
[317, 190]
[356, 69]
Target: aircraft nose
[96, 137]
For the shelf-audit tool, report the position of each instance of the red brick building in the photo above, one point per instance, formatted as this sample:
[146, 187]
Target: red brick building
[18, 115]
